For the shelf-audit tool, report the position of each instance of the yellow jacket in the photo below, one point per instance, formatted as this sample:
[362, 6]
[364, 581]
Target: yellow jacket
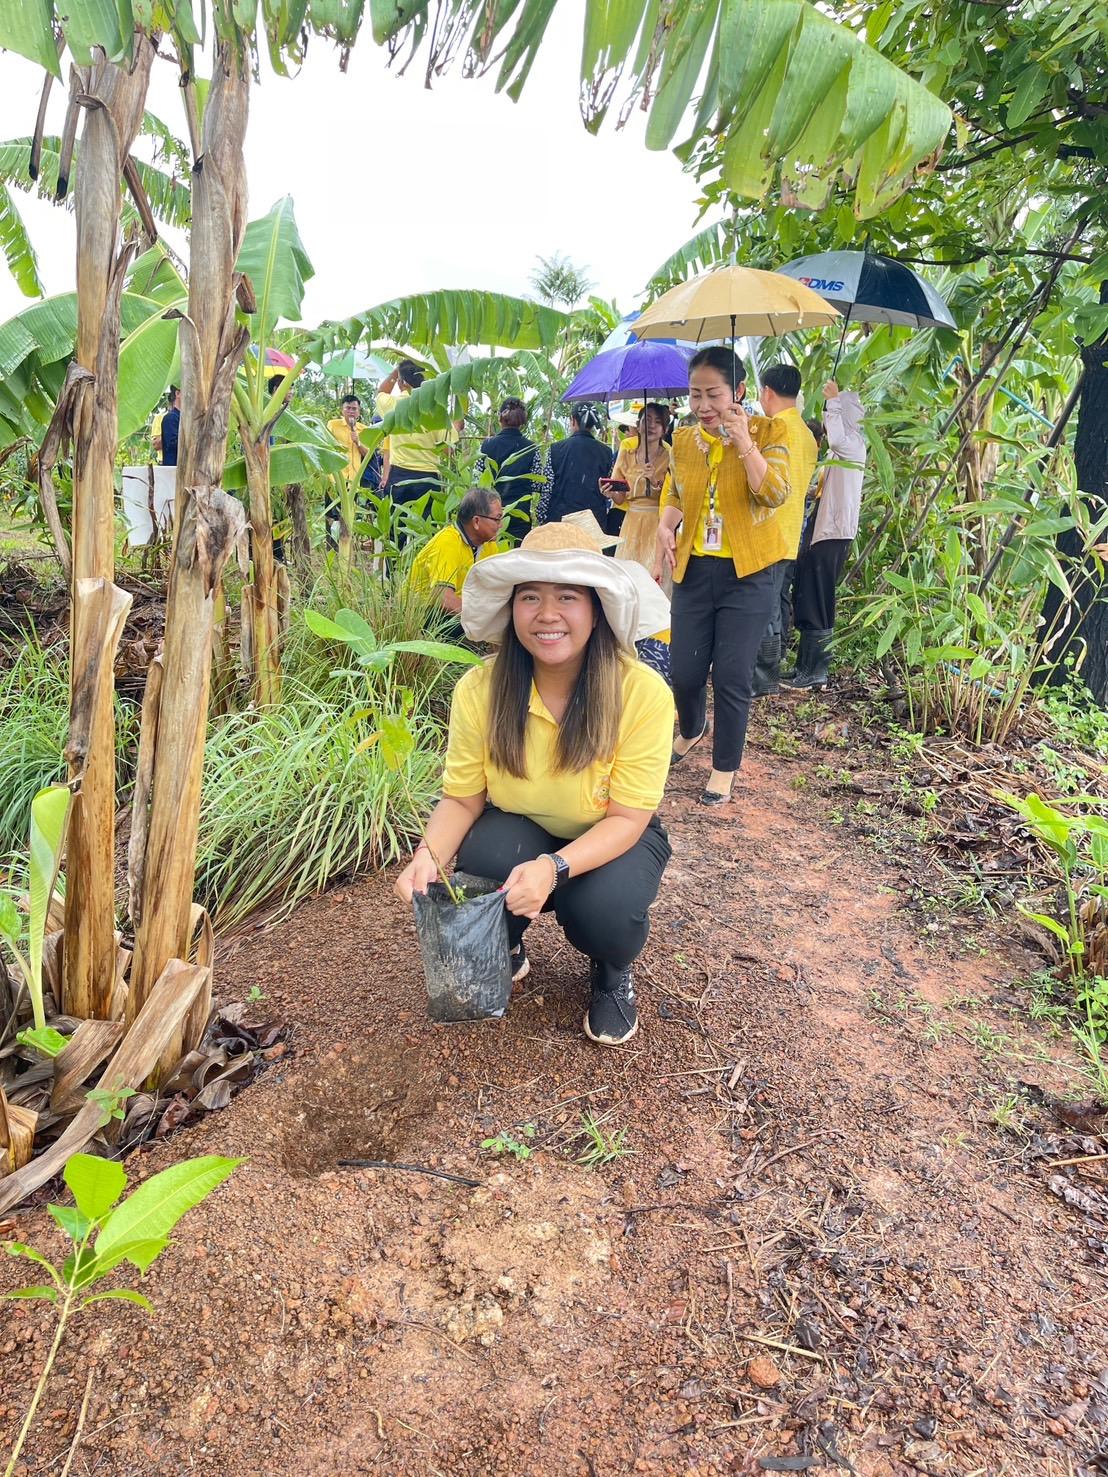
[752, 540]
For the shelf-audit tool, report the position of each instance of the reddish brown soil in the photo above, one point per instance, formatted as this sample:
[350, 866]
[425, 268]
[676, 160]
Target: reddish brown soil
[815, 1165]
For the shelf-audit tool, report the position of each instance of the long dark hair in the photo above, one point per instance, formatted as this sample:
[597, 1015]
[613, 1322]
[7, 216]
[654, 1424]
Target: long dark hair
[590, 725]
[662, 412]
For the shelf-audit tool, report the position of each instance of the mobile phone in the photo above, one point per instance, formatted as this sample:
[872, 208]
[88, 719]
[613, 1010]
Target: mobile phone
[614, 485]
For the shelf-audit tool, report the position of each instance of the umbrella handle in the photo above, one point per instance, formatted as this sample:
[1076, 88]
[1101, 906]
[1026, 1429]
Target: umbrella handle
[842, 339]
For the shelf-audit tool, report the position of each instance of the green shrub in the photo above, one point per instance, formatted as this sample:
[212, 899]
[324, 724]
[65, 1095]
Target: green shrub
[290, 802]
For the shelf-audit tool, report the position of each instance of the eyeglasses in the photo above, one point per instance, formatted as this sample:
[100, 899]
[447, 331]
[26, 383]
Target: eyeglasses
[492, 518]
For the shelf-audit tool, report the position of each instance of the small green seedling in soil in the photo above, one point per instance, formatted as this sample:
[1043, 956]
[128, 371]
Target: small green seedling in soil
[784, 743]
[1007, 1114]
[255, 994]
[982, 1035]
[507, 1143]
[601, 1147]
[105, 1231]
[935, 1031]
[110, 1102]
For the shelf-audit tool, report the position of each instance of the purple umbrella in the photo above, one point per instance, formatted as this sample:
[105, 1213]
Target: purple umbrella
[639, 369]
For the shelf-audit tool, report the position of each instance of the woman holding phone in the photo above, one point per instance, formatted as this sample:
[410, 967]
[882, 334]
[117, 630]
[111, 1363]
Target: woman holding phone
[636, 483]
[718, 536]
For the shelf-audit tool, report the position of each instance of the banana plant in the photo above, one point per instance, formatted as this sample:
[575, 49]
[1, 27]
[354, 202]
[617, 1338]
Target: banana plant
[274, 263]
[165, 196]
[49, 816]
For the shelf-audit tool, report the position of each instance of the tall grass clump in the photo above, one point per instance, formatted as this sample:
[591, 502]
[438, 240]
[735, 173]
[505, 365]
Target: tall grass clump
[34, 711]
[293, 800]
[34, 719]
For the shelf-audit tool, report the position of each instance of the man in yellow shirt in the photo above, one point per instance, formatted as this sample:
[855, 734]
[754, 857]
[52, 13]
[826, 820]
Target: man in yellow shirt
[778, 395]
[441, 566]
[415, 457]
[347, 429]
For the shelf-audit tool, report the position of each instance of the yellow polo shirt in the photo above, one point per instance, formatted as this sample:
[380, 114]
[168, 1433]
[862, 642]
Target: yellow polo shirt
[446, 559]
[415, 451]
[566, 805]
[803, 454]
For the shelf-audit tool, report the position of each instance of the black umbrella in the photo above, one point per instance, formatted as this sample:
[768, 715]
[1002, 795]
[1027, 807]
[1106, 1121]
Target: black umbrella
[869, 288]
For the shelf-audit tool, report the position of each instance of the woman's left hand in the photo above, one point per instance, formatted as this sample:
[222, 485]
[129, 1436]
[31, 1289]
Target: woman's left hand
[527, 887]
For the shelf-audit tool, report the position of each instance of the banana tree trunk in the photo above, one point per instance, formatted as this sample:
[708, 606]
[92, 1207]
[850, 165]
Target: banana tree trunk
[300, 539]
[260, 597]
[114, 99]
[347, 511]
[210, 525]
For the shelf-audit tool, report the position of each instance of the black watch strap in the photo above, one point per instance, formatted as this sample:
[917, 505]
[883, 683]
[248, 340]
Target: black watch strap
[561, 868]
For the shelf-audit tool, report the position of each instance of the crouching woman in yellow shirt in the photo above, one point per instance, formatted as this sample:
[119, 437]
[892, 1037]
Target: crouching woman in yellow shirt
[557, 759]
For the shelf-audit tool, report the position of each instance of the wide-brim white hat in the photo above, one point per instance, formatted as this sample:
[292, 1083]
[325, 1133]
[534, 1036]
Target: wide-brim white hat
[556, 553]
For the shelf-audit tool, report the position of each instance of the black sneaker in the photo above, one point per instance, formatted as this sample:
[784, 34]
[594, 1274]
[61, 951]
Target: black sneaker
[521, 965]
[612, 1016]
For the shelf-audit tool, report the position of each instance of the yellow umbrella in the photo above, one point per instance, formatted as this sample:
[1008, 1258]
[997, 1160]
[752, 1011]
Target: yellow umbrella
[734, 301]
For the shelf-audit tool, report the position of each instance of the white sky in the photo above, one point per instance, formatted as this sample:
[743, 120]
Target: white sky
[462, 187]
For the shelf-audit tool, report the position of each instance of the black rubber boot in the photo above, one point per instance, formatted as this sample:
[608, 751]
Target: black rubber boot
[612, 1016]
[813, 661]
[767, 667]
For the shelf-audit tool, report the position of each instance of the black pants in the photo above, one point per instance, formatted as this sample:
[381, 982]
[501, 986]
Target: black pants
[406, 486]
[780, 616]
[818, 571]
[603, 913]
[718, 620]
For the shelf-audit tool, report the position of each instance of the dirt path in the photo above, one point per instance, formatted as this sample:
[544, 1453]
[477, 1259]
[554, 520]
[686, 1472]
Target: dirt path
[825, 1252]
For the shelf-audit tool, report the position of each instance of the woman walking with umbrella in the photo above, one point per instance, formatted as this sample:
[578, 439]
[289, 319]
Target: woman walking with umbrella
[729, 476]
[643, 464]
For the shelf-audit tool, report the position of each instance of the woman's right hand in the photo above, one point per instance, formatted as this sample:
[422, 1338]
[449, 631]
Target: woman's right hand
[665, 552]
[417, 876]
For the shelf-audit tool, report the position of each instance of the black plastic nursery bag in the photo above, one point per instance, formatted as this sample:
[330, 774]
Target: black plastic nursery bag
[465, 949]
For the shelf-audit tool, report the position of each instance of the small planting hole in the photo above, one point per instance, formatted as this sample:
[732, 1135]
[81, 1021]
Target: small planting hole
[357, 1105]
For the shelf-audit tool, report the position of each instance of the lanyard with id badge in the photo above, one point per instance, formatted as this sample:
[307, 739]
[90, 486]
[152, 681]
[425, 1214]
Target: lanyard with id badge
[713, 521]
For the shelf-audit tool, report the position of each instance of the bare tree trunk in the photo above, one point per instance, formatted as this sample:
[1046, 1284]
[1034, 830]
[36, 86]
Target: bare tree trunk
[260, 597]
[115, 98]
[210, 524]
[1083, 627]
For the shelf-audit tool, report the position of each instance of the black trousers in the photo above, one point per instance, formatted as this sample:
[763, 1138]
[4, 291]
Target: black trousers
[405, 486]
[818, 571]
[603, 913]
[717, 622]
[780, 616]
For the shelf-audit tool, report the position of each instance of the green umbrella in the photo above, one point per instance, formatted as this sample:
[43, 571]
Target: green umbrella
[354, 364]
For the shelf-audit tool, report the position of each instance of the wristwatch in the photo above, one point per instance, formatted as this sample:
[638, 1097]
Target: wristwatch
[561, 868]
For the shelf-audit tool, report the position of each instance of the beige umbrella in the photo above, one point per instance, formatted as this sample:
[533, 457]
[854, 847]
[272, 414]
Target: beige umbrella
[733, 301]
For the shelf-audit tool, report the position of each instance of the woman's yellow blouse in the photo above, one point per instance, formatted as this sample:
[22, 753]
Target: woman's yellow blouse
[566, 805]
